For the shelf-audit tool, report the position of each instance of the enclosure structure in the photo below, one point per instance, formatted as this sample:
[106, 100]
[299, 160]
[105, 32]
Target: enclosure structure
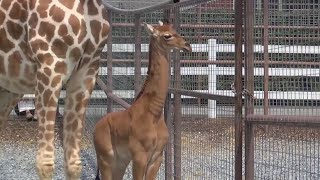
[282, 69]
[243, 105]
[200, 120]
[254, 63]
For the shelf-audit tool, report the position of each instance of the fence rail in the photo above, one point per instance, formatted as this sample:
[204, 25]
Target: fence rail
[212, 71]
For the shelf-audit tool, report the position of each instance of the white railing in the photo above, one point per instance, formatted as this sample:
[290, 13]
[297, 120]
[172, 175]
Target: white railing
[212, 71]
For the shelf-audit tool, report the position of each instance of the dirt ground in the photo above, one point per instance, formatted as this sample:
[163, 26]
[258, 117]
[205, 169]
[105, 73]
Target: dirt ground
[207, 146]
[19, 130]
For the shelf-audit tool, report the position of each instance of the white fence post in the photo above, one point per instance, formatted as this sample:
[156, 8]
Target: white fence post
[212, 77]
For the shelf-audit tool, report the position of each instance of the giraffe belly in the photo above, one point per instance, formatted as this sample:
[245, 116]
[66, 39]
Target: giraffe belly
[17, 85]
[19, 78]
[122, 152]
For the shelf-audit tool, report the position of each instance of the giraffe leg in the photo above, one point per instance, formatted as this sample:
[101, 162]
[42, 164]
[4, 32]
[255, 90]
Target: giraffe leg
[78, 92]
[7, 103]
[155, 162]
[104, 151]
[142, 150]
[47, 91]
[119, 168]
[154, 166]
[111, 169]
[105, 166]
[140, 160]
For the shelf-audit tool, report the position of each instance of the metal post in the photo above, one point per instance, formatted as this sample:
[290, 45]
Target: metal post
[168, 150]
[249, 56]
[109, 64]
[199, 79]
[249, 150]
[238, 88]
[177, 103]
[249, 82]
[168, 118]
[266, 56]
[166, 13]
[137, 54]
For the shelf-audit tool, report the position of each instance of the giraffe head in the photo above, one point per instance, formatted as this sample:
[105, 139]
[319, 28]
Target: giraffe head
[166, 36]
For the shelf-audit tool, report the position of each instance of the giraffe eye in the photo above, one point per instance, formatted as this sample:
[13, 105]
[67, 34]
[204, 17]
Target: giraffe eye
[167, 36]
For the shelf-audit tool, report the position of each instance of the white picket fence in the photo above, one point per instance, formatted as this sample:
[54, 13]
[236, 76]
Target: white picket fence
[212, 71]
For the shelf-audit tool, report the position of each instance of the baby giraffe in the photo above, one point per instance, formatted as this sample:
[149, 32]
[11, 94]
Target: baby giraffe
[139, 133]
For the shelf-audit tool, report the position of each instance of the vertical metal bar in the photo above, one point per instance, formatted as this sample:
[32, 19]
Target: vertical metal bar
[280, 3]
[238, 88]
[168, 118]
[168, 150]
[249, 56]
[137, 54]
[249, 82]
[259, 5]
[109, 64]
[177, 103]
[266, 56]
[199, 79]
[249, 151]
[166, 13]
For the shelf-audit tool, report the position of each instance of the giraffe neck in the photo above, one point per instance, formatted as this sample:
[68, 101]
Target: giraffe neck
[154, 91]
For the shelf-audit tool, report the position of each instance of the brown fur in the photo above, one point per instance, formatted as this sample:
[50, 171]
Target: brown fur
[139, 133]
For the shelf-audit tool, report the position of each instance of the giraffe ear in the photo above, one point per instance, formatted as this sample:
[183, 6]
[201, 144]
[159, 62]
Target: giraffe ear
[150, 29]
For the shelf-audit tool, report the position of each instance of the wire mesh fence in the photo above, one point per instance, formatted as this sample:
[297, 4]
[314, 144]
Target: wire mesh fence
[196, 145]
[207, 130]
[293, 58]
[200, 110]
[134, 4]
[285, 152]
[286, 85]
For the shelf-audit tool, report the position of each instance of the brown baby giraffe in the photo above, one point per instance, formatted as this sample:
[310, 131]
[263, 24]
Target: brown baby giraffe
[45, 44]
[139, 133]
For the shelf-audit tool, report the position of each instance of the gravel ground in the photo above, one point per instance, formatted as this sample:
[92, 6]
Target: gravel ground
[207, 152]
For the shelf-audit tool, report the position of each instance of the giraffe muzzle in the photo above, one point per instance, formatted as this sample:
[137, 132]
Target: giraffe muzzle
[187, 47]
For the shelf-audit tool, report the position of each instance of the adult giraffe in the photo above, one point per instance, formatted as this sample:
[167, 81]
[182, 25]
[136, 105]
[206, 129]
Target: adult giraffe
[45, 44]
